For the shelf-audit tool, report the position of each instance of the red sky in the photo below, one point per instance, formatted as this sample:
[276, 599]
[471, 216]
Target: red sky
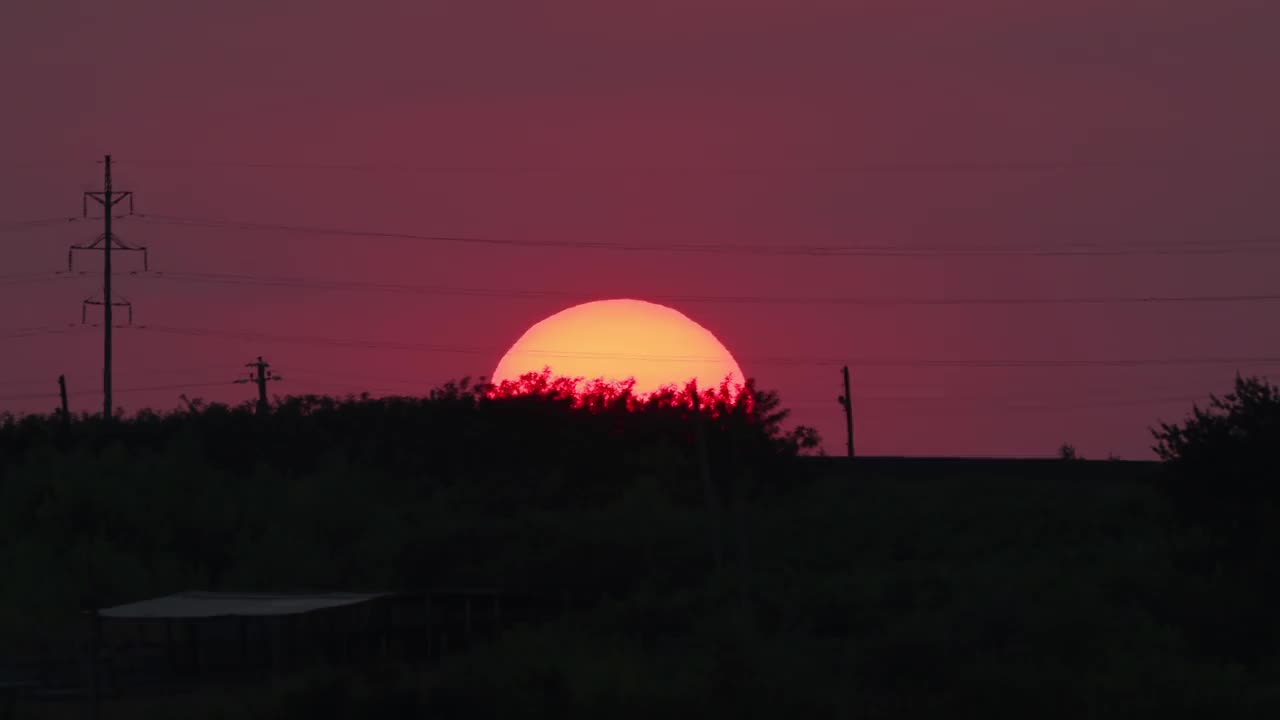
[1033, 126]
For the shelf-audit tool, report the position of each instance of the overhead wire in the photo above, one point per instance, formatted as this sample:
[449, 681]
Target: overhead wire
[20, 333]
[1008, 401]
[1006, 405]
[124, 390]
[19, 225]
[365, 344]
[896, 167]
[14, 279]
[410, 288]
[938, 403]
[151, 372]
[712, 248]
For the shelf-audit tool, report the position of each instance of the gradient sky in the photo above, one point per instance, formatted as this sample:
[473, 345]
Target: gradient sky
[908, 124]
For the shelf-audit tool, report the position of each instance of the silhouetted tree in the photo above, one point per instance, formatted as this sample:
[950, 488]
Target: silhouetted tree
[1225, 458]
[1223, 477]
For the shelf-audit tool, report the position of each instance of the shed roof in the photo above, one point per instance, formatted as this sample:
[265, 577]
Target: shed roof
[186, 605]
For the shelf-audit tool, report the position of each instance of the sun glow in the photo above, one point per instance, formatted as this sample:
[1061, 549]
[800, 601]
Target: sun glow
[618, 340]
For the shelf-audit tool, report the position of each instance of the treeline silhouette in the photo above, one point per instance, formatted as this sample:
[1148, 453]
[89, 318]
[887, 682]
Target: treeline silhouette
[847, 590]
[340, 493]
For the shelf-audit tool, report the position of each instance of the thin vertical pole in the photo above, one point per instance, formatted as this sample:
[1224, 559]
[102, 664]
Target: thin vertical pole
[243, 623]
[62, 394]
[847, 402]
[106, 290]
[95, 643]
[262, 386]
[170, 647]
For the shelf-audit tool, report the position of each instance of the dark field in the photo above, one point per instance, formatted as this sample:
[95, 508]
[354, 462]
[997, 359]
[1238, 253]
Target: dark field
[878, 588]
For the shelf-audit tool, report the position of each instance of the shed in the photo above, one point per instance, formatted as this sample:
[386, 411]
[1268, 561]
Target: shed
[198, 632]
[192, 605]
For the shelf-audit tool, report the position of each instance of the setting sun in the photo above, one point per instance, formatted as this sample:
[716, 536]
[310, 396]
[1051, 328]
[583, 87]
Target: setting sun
[617, 340]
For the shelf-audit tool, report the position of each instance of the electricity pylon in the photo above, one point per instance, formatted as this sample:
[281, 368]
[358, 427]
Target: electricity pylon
[108, 198]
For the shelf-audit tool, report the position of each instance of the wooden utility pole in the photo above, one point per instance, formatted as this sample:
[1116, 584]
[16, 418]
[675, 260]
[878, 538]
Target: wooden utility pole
[62, 393]
[260, 376]
[846, 401]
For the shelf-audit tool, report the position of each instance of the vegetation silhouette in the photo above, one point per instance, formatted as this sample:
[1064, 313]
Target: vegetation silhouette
[853, 588]
[333, 493]
[1225, 459]
[1224, 481]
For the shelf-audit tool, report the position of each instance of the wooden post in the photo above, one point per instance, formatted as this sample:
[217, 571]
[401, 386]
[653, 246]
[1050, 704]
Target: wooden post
[331, 638]
[244, 643]
[346, 638]
[269, 643]
[286, 642]
[193, 632]
[62, 394]
[385, 630]
[95, 644]
[170, 648]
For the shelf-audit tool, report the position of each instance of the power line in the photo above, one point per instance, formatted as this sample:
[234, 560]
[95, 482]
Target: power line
[184, 372]
[934, 167]
[20, 333]
[36, 278]
[29, 278]
[249, 336]
[1007, 403]
[332, 375]
[362, 344]
[990, 402]
[149, 388]
[963, 405]
[1016, 400]
[945, 402]
[714, 249]
[356, 285]
[19, 225]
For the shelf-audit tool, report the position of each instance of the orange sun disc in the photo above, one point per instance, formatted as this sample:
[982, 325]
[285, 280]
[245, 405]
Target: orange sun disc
[618, 340]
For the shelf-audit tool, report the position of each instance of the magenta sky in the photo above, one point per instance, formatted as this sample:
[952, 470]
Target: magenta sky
[701, 121]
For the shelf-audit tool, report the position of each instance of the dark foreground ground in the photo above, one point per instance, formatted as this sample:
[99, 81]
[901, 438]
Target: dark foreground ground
[876, 590]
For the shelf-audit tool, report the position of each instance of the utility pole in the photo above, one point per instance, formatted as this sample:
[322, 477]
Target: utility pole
[62, 393]
[260, 376]
[108, 198]
[846, 401]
